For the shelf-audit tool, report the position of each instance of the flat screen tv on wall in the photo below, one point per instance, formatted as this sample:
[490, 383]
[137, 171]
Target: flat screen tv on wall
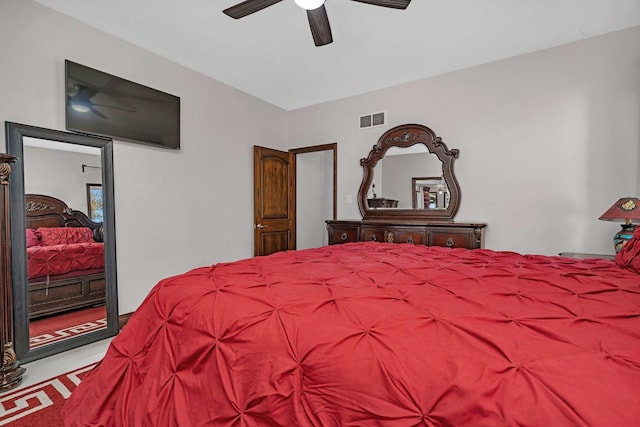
[98, 103]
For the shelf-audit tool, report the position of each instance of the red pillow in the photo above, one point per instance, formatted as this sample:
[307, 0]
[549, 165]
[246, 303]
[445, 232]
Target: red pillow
[629, 255]
[65, 235]
[33, 238]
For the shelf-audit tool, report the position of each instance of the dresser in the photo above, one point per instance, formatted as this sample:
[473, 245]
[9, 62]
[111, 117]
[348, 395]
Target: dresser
[447, 234]
[412, 167]
[381, 202]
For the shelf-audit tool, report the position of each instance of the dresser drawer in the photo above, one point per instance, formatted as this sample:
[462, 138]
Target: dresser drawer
[372, 234]
[342, 234]
[405, 235]
[392, 235]
[452, 238]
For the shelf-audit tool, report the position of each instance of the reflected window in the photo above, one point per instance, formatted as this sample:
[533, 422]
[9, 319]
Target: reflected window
[94, 202]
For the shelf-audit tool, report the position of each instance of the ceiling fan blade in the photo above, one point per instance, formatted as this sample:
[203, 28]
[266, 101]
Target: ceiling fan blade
[395, 4]
[97, 113]
[248, 7]
[88, 91]
[111, 90]
[319, 24]
[130, 110]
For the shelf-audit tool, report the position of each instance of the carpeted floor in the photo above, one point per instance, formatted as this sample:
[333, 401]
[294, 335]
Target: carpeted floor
[62, 326]
[39, 405]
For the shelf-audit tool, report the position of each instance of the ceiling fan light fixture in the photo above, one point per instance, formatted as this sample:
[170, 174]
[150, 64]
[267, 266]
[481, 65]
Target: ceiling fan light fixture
[80, 108]
[309, 4]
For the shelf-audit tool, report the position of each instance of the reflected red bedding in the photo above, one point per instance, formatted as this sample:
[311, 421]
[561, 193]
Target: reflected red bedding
[55, 260]
[375, 334]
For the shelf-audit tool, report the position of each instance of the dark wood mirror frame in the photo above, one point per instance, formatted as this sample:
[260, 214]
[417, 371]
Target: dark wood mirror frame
[15, 133]
[406, 136]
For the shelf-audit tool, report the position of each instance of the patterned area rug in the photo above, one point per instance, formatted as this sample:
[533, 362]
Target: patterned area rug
[56, 328]
[40, 404]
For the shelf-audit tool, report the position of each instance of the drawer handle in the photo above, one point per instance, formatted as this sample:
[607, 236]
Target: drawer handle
[373, 238]
[344, 236]
[409, 239]
[450, 243]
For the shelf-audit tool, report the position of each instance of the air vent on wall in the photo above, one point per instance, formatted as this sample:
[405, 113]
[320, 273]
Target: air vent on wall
[370, 120]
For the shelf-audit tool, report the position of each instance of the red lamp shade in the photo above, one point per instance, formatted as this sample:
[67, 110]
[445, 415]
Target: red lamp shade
[626, 210]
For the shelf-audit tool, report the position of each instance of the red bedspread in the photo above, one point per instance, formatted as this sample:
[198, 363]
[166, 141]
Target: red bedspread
[55, 260]
[375, 334]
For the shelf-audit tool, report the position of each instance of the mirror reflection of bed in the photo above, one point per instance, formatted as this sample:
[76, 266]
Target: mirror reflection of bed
[65, 271]
[65, 249]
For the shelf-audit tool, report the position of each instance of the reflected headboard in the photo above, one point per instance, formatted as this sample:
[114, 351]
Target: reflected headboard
[47, 211]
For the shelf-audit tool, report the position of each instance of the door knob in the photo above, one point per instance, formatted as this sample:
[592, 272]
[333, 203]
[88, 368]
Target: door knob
[260, 226]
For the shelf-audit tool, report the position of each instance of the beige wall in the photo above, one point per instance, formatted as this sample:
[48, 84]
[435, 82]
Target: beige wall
[548, 141]
[175, 210]
[59, 174]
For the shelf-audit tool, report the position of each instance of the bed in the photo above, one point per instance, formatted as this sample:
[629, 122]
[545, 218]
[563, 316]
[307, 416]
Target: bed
[65, 257]
[378, 334]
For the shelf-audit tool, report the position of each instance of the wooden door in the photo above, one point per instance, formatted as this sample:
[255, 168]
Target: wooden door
[273, 201]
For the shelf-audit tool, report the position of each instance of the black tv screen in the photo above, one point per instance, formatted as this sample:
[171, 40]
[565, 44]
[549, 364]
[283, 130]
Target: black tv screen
[105, 105]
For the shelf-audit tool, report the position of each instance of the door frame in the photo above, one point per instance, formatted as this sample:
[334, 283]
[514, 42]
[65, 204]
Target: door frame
[333, 147]
[294, 193]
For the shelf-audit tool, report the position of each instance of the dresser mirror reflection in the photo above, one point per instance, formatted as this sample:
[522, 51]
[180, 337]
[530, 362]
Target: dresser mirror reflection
[408, 178]
[61, 185]
[429, 193]
[409, 175]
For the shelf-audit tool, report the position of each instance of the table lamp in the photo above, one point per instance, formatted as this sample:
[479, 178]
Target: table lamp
[627, 210]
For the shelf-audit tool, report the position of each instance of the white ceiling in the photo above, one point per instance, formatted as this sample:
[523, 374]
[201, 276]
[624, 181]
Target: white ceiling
[270, 54]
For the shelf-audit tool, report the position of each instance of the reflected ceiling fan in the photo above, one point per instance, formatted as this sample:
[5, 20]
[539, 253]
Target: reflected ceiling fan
[316, 13]
[80, 100]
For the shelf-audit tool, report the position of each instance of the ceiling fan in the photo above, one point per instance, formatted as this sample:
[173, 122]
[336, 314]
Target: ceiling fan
[316, 13]
[80, 95]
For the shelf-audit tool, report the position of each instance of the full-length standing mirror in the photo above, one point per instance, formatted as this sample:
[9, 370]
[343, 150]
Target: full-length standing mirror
[63, 240]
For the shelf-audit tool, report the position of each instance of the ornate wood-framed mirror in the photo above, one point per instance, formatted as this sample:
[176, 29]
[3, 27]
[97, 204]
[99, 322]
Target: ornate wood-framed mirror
[51, 164]
[391, 195]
